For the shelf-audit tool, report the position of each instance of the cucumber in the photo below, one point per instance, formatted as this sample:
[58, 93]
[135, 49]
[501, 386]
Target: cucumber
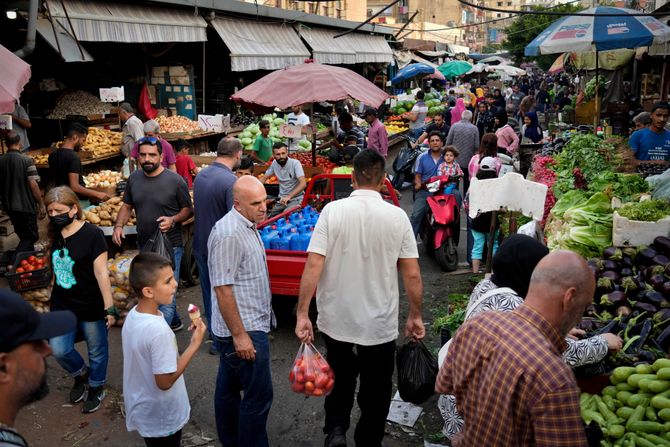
[651, 414]
[660, 364]
[637, 416]
[605, 412]
[660, 402]
[623, 386]
[622, 373]
[625, 412]
[657, 440]
[616, 431]
[644, 385]
[663, 374]
[634, 379]
[658, 386]
[639, 399]
[623, 396]
[664, 414]
[642, 442]
[644, 368]
[645, 427]
[610, 390]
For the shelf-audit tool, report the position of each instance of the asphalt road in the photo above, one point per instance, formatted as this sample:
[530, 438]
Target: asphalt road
[295, 420]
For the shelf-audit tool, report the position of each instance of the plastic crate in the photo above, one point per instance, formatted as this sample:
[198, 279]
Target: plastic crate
[36, 279]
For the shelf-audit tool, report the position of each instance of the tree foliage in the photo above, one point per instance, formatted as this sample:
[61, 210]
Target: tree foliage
[527, 27]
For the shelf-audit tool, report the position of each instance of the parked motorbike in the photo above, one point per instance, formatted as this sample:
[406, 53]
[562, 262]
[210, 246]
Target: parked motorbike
[442, 225]
[403, 165]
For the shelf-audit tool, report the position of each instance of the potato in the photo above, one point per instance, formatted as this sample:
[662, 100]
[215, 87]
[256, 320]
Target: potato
[105, 215]
[94, 219]
[106, 223]
[114, 200]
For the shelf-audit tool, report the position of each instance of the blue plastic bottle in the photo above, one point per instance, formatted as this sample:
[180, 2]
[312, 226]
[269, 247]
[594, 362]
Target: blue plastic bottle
[283, 242]
[268, 235]
[294, 239]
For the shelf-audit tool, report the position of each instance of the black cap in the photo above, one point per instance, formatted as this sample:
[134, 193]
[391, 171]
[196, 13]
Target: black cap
[20, 323]
[370, 111]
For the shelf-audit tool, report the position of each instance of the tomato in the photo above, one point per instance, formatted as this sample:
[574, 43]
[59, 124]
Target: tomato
[32, 259]
[19, 270]
[28, 268]
[309, 387]
[322, 381]
[317, 392]
[329, 385]
[300, 378]
[310, 377]
[325, 368]
[23, 263]
[298, 387]
[291, 376]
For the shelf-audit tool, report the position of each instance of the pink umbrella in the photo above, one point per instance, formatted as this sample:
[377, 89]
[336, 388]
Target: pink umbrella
[436, 75]
[308, 83]
[14, 74]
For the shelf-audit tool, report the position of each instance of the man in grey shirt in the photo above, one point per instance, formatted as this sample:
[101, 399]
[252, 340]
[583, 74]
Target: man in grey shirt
[132, 130]
[241, 318]
[291, 178]
[21, 124]
[465, 136]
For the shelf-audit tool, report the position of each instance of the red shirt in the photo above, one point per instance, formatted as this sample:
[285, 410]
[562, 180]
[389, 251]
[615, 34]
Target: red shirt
[185, 165]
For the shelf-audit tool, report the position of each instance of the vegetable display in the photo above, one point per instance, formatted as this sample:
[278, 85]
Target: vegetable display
[635, 408]
[123, 295]
[105, 214]
[177, 124]
[647, 210]
[79, 103]
[249, 134]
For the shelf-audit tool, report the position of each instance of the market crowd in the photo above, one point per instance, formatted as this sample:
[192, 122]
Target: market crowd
[519, 332]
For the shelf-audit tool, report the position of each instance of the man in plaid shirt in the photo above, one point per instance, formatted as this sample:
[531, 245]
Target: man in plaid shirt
[505, 368]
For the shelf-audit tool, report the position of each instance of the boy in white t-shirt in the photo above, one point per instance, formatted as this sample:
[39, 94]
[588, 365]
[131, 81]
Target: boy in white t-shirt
[156, 401]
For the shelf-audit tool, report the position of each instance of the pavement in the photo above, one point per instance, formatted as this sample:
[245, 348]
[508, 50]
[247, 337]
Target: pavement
[294, 421]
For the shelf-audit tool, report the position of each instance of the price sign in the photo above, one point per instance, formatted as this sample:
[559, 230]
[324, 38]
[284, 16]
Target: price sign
[5, 122]
[290, 131]
[211, 123]
[113, 94]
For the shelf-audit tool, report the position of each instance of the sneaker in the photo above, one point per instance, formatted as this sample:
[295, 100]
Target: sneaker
[336, 438]
[94, 399]
[78, 390]
[176, 325]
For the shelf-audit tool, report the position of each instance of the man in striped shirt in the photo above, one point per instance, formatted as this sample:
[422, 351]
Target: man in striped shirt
[241, 318]
[505, 368]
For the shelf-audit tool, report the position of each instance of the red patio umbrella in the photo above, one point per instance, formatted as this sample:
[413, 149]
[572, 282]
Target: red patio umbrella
[14, 74]
[305, 84]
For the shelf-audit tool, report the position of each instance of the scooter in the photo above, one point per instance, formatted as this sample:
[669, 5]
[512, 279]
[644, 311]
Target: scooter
[403, 165]
[442, 225]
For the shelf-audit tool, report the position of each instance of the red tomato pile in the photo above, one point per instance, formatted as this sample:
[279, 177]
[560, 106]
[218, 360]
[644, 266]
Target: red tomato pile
[31, 263]
[311, 375]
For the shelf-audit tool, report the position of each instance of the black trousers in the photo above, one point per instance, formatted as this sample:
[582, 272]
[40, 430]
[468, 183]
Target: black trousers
[374, 365]
[25, 227]
[174, 440]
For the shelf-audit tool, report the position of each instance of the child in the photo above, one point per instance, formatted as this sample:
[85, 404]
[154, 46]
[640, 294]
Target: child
[481, 225]
[185, 165]
[246, 167]
[156, 401]
[347, 155]
[450, 168]
[336, 155]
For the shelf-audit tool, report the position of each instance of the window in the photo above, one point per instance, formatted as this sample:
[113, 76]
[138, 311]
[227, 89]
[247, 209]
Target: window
[498, 15]
[278, 4]
[326, 11]
[500, 3]
[509, 3]
[339, 13]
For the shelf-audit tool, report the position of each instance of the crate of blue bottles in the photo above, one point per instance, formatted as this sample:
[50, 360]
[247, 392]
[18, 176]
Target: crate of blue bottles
[290, 231]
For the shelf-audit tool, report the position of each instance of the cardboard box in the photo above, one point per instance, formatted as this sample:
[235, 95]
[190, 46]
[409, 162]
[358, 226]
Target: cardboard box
[180, 80]
[626, 232]
[159, 71]
[157, 80]
[178, 71]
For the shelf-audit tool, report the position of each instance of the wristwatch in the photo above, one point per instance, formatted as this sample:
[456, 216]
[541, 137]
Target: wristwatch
[111, 310]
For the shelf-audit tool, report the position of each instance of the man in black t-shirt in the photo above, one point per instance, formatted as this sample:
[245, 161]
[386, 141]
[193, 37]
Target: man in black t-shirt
[65, 165]
[161, 199]
[20, 193]
[437, 124]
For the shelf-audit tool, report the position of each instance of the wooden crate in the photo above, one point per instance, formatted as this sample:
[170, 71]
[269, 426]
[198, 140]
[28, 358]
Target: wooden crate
[585, 112]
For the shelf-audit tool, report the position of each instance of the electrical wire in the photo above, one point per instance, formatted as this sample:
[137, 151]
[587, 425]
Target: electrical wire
[562, 14]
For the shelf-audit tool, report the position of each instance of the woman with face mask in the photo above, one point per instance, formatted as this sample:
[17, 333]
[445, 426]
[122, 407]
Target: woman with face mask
[79, 261]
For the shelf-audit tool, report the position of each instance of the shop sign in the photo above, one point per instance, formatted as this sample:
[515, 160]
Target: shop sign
[5, 122]
[214, 123]
[113, 94]
[290, 131]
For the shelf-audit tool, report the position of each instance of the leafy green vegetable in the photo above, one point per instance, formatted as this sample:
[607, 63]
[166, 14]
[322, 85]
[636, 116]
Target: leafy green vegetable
[627, 187]
[590, 89]
[451, 322]
[569, 200]
[647, 211]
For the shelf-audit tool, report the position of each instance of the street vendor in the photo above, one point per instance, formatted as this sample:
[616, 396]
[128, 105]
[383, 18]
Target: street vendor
[153, 130]
[296, 118]
[65, 165]
[262, 149]
[132, 129]
[291, 178]
[653, 143]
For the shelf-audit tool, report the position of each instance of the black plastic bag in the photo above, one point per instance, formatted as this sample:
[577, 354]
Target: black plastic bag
[417, 372]
[159, 243]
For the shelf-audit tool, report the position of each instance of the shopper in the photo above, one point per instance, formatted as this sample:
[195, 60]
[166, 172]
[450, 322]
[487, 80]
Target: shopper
[358, 300]
[348, 130]
[438, 124]
[531, 132]
[515, 99]
[378, 139]
[291, 178]
[487, 148]
[262, 148]
[508, 140]
[212, 199]
[484, 120]
[23, 353]
[246, 167]
[457, 111]
[155, 397]
[168, 157]
[242, 318]
[417, 116]
[20, 195]
[185, 164]
[481, 225]
[79, 260]
[641, 121]
[132, 128]
[502, 351]
[465, 136]
[65, 165]
[21, 122]
[161, 201]
[425, 168]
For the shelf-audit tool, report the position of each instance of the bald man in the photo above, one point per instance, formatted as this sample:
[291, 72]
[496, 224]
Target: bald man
[505, 368]
[241, 318]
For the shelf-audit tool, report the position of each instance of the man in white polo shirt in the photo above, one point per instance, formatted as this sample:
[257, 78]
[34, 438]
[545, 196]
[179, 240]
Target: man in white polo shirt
[355, 266]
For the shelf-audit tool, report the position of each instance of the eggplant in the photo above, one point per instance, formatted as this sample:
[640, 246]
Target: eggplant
[636, 346]
[605, 285]
[612, 253]
[616, 298]
[590, 311]
[663, 244]
[645, 307]
[661, 260]
[587, 324]
[653, 270]
[667, 270]
[612, 266]
[626, 271]
[610, 274]
[666, 288]
[609, 327]
[663, 340]
[627, 261]
[630, 284]
[645, 256]
[645, 356]
[652, 297]
[662, 317]
[596, 264]
[630, 252]
[623, 311]
[657, 281]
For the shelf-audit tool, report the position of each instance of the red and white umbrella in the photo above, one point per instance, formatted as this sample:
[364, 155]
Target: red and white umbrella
[14, 74]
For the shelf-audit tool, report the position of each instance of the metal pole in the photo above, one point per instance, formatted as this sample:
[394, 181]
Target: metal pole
[203, 79]
[597, 117]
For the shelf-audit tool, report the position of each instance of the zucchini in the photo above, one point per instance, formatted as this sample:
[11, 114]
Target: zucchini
[623, 396]
[664, 414]
[660, 364]
[610, 417]
[663, 374]
[644, 384]
[637, 416]
[658, 386]
[660, 402]
[610, 390]
[639, 399]
[611, 402]
[644, 368]
[623, 386]
[645, 427]
[657, 440]
[622, 373]
[590, 415]
[625, 412]
[616, 431]
[634, 380]
[651, 414]
[642, 442]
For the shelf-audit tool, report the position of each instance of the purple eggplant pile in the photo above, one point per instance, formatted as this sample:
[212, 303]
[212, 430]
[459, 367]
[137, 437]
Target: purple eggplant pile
[632, 300]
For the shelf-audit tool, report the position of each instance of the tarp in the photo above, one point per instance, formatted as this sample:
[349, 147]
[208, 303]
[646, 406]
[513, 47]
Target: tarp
[326, 49]
[62, 41]
[369, 48]
[607, 60]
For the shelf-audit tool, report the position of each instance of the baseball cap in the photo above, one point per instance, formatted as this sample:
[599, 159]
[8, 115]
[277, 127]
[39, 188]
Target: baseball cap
[487, 164]
[349, 152]
[20, 323]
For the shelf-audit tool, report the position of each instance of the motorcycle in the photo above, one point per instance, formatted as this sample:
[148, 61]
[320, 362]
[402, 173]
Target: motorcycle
[403, 165]
[442, 224]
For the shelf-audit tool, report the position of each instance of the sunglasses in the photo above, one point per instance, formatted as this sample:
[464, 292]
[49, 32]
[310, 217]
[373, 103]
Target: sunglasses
[147, 140]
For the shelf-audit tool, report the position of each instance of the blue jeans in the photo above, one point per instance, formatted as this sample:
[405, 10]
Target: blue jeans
[95, 335]
[206, 288]
[170, 310]
[480, 239]
[241, 422]
[419, 210]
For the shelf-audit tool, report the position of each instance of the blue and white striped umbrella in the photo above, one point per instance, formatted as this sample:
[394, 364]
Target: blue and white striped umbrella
[583, 34]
